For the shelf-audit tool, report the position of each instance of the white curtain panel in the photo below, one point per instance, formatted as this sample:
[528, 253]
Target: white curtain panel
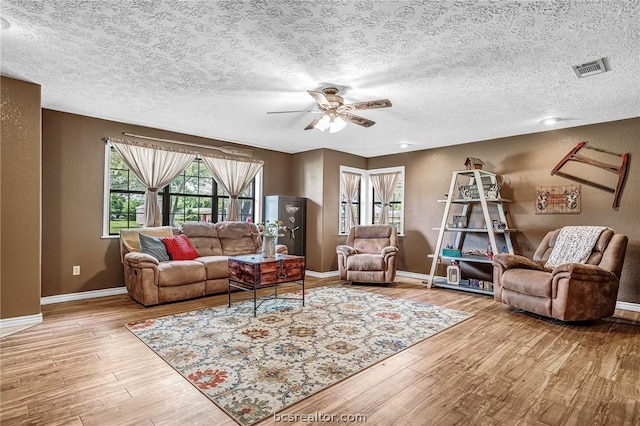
[350, 182]
[233, 176]
[155, 168]
[384, 184]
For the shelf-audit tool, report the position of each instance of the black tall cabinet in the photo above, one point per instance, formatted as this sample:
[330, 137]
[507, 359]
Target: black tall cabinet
[292, 212]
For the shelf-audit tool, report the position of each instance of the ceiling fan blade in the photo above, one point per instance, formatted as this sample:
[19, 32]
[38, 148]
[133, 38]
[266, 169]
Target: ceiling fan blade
[320, 98]
[288, 112]
[355, 119]
[380, 103]
[314, 122]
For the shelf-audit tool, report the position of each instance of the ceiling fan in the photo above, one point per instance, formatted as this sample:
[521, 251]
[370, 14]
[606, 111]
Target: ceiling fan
[334, 113]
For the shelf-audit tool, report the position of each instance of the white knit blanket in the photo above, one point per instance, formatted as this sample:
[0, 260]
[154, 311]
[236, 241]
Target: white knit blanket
[574, 245]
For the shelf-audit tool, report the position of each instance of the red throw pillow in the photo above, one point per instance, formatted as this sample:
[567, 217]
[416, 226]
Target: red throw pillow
[180, 248]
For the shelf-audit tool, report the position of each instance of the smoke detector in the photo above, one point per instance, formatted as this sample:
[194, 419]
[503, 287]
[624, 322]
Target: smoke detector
[590, 68]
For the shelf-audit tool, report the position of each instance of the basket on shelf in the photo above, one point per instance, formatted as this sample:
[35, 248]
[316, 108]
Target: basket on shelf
[451, 252]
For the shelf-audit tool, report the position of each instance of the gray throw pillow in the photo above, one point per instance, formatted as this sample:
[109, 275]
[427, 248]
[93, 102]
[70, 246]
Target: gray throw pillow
[154, 246]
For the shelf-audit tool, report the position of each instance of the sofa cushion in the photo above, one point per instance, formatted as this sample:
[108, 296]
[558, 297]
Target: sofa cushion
[180, 272]
[203, 237]
[130, 240]
[154, 246]
[198, 229]
[365, 262]
[180, 248]
[370, 245]
[528, 281]
[216, 266]
[238, 238]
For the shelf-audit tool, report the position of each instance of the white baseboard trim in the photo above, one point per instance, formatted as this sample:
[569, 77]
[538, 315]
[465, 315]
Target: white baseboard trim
[414, 275]
[36, 319]
[25, 321]
[82, 295]
[315, 274]
[331, 274]
[627, 306]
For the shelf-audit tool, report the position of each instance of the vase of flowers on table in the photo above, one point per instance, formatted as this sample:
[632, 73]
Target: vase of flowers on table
[269, 231]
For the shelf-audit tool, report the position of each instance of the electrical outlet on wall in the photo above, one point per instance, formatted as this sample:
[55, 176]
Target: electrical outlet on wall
[76, 270]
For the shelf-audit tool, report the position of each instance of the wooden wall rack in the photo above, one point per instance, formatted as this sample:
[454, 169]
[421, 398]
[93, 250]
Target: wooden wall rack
[620, 170]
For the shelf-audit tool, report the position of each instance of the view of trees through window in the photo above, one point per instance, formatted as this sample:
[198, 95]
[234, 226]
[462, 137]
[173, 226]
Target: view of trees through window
[395, 208]
[193, 196]
[343, 210]
[367, 205]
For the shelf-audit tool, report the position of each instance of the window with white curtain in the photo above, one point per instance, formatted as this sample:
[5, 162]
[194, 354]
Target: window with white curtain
[368, 204]
[351, 186]
[192, 196]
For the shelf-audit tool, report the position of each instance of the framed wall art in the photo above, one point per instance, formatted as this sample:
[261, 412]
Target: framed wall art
[559, 199]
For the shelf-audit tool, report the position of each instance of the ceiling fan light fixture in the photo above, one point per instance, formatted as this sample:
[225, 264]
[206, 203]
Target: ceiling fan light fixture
[335, 113]
[337, 124]
[324, 123]
[331, 122]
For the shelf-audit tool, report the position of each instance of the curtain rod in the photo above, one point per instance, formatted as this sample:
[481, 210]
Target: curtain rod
[243, 152]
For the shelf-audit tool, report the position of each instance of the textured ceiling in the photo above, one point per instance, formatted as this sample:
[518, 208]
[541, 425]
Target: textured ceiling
[455, 71]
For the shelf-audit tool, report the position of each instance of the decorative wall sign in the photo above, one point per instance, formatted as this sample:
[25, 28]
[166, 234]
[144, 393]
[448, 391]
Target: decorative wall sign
[558, 199]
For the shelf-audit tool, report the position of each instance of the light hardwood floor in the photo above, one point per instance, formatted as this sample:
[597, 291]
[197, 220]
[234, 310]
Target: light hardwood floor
[81, 366]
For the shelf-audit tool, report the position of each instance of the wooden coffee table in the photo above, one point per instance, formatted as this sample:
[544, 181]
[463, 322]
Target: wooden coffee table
[253, 272]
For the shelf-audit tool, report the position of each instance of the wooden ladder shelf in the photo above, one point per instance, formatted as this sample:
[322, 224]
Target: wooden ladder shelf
[621, 170]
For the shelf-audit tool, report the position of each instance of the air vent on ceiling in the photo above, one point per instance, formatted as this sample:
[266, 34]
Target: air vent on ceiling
[590, 68]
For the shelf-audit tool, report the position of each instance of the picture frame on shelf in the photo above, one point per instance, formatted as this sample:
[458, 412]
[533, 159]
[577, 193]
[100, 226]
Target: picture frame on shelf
[459, 221]
[453, 274]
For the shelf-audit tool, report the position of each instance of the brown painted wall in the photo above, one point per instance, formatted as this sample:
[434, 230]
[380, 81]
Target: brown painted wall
[308, 182]
[317, 177]
[525, 162]
[330, 236]
[20, 200]
[74, 162]
[73, 170]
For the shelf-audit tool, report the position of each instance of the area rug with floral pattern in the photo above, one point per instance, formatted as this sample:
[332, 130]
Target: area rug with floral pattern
[253, 367]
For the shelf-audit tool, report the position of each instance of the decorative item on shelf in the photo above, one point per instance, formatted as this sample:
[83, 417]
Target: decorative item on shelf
[449, 251]
[269, 231]
[489, 250]
[467, 192]
[499, 226]
[470, 192]
[459, 221]
[494, 191]
[472, 163]
[453, 274]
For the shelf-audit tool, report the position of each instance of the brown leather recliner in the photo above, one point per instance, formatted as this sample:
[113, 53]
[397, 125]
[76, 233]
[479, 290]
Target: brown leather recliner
[569, 292]
[369, 255]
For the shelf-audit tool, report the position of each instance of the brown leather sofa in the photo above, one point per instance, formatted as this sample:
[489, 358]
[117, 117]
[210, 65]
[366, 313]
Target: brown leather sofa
[151, 282]
[569, 292]
[369, 255]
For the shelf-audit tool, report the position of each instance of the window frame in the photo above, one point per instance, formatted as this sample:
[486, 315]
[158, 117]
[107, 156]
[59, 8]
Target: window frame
[166, 191]
[361, 197]
[367, 197]
[166, 195]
